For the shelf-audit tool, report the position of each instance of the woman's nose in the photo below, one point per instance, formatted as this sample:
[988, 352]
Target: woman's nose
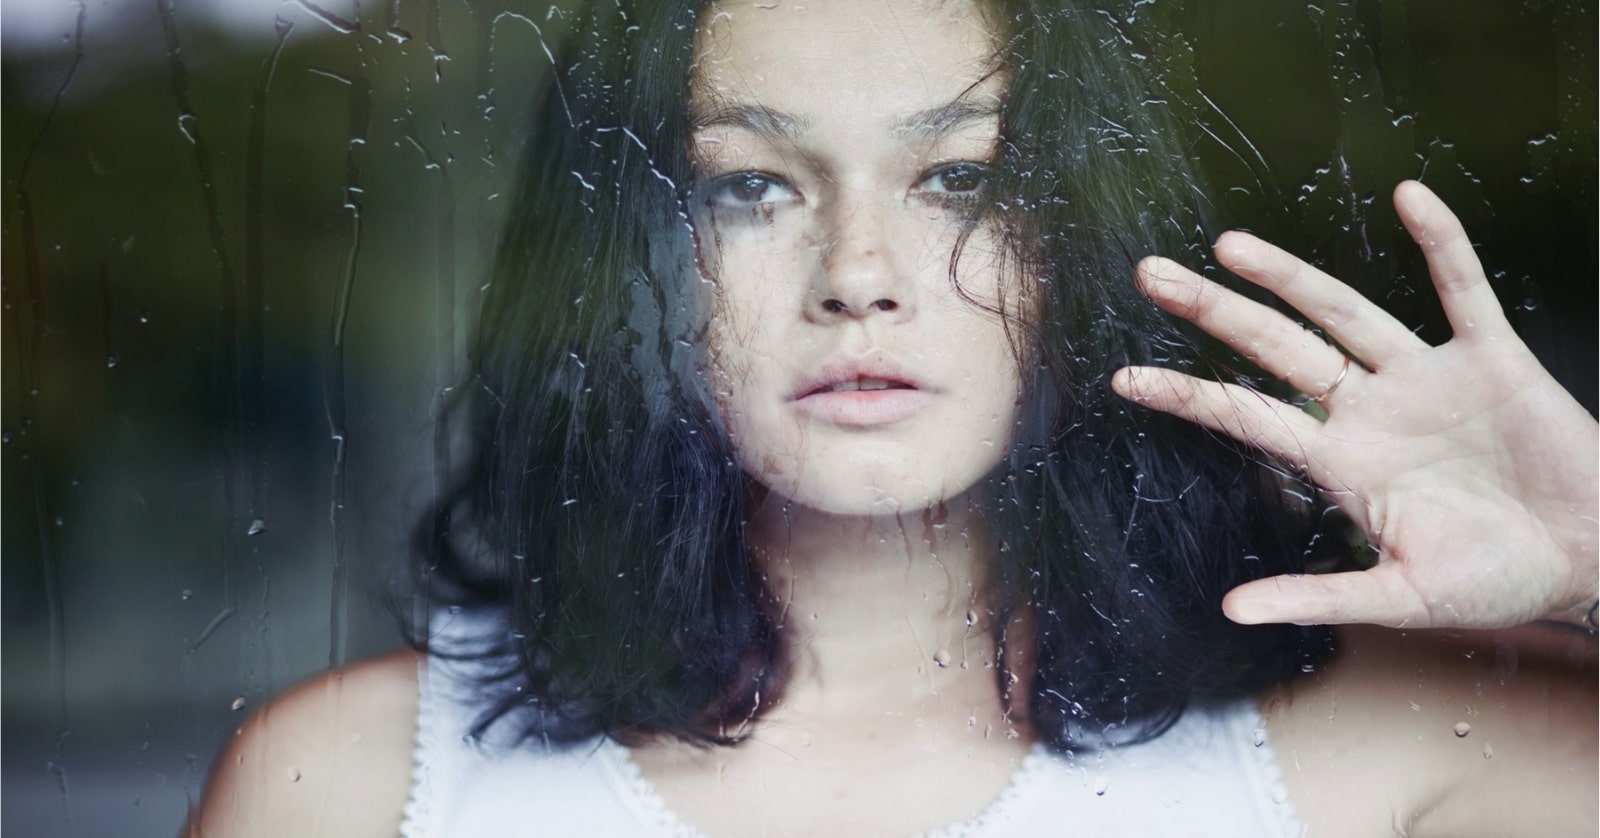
[864, 269]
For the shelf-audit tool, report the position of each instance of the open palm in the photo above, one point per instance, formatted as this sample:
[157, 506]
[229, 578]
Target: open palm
[1474, 473]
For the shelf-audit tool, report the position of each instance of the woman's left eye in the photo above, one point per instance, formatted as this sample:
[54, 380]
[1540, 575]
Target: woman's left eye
[956, 179]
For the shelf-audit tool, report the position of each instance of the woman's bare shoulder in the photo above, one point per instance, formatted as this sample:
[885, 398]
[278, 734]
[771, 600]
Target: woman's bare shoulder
[1443, 733]
[330, 757]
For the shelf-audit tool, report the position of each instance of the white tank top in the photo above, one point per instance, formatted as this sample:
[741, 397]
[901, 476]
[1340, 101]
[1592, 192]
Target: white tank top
[1211, 775]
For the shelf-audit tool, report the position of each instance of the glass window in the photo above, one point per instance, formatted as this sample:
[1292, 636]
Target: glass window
[245, 244]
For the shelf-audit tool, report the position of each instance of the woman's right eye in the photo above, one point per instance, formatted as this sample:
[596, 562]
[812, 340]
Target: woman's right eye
[747, 189]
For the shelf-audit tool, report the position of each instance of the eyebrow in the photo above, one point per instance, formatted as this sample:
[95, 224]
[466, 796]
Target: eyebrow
[941, 120]
[759, 119]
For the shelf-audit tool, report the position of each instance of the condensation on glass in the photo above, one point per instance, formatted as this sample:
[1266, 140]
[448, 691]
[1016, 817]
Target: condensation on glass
[243, 242]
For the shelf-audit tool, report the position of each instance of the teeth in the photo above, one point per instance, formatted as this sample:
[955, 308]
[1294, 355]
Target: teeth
[861, 384]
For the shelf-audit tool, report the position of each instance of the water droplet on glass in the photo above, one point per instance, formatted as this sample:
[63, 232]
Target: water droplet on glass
[1488, 751]
[184, 123]
[1308, 668]
[1101, 784]
[1462, 729]
[1258, 737]
[238, 703]
[294, 775]
[972, 618]
[257, 527]
[942, 658]
[185, 594]
[111, 362]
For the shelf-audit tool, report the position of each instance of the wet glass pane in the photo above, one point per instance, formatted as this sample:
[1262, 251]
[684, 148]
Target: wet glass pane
[246, 243]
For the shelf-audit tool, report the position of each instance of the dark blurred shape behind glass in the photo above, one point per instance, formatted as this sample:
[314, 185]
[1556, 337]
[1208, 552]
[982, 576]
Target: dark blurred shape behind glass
[242, 242]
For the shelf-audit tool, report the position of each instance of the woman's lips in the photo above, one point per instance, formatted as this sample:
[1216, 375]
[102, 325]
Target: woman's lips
[861, 392]
[862, 408]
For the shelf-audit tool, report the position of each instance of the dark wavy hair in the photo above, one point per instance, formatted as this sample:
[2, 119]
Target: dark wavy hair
[598, 518]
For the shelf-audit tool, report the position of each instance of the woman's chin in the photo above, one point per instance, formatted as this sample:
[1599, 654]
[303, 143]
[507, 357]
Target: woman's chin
[864, 496]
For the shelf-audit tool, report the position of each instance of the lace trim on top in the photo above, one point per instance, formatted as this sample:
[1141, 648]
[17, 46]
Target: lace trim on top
[1273, 793]
[639, 794]
[646, 804]
[416, 812]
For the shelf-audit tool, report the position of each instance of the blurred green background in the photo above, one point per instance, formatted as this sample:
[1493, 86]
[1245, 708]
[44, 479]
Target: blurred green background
[243, 240]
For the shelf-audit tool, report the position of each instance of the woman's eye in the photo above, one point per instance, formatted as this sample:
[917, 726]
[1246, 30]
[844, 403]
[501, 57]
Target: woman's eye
[747, 189]
[957, 179]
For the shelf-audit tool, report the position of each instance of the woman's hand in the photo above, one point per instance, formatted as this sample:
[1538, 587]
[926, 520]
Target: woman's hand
[1474, 474]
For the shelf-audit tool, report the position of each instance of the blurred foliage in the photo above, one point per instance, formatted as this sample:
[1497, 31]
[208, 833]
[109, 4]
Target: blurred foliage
[238, 268]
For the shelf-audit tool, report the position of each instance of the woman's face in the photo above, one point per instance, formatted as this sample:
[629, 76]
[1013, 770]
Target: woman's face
[839, 146]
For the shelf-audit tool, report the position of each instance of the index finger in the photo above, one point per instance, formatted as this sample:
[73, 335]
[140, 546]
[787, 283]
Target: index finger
[1469, 303]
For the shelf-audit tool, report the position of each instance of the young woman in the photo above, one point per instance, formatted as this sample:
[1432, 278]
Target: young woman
[829, 475]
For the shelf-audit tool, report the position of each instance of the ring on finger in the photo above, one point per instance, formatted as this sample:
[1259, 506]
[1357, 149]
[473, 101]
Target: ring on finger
[1338, 379]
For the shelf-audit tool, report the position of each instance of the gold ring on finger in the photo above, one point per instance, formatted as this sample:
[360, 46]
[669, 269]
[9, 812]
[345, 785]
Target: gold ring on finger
[1339, 379]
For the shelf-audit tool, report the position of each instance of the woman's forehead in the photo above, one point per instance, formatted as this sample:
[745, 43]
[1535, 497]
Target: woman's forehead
[873, 61]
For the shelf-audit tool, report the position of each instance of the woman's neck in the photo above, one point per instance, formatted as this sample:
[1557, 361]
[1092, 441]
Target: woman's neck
[889, 675]
[882, 610]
